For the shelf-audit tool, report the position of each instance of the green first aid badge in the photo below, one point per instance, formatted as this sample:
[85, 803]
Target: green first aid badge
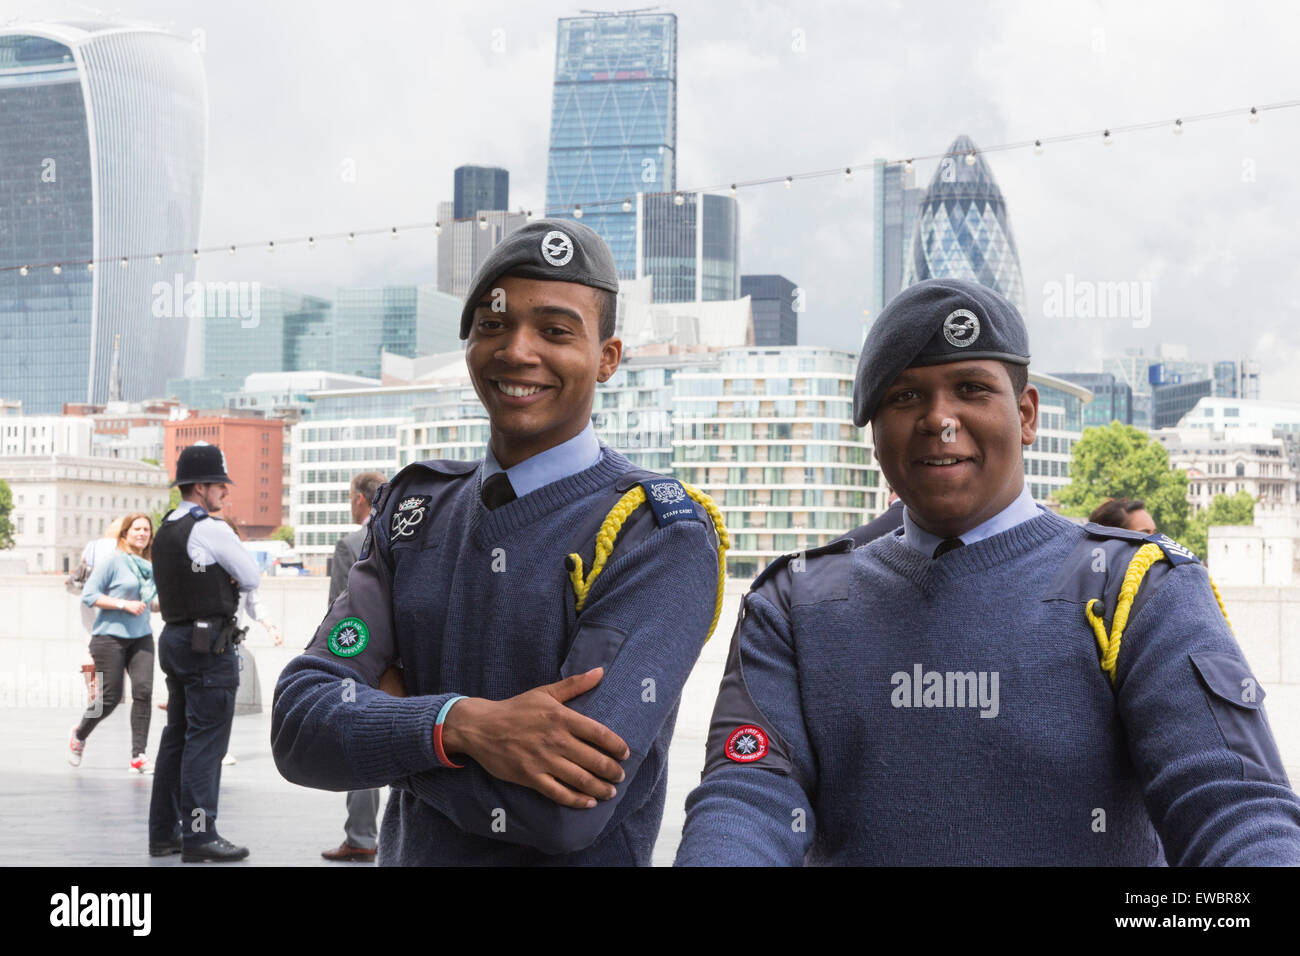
[349, 637]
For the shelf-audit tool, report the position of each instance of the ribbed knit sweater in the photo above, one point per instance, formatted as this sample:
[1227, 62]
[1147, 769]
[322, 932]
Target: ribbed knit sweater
[481, 606]
[1045, 763]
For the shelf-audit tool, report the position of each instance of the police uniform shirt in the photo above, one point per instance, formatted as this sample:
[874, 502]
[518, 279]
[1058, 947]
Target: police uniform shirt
[214, 542]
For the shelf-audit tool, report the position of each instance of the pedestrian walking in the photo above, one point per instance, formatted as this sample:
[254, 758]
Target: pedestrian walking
[121, 589]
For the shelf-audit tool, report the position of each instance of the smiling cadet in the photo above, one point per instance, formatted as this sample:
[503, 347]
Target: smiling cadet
[546, 604]
[974, 688]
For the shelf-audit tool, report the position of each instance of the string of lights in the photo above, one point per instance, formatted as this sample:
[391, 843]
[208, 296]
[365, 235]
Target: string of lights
[1107, 136]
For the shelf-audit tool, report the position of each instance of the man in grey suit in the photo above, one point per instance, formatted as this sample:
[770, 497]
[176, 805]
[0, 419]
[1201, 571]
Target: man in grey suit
[361, 832]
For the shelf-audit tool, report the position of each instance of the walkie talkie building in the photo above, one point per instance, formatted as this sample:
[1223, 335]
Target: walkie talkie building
[102, 140]
[962, 230]
[613, 122]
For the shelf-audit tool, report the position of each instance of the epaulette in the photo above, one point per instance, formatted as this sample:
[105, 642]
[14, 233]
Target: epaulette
[670, 501]
[837, 546]
[1106, 572]
[1174, 552]
[414, 505]
[441, 467]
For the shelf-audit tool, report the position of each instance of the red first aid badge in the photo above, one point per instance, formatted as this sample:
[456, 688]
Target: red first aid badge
[747, 744]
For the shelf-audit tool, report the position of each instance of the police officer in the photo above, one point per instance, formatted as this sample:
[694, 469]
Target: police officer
[975, 687]
[201, 570]
[545, 604]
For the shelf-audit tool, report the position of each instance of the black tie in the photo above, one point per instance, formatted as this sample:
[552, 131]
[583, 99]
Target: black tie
[497, 491]
[948, 544]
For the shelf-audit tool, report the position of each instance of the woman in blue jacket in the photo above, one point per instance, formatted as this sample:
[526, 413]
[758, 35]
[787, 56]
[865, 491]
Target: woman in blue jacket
[122, 590]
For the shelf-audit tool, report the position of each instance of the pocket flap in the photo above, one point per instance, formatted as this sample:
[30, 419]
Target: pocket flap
[595, 645]
[1229, 678]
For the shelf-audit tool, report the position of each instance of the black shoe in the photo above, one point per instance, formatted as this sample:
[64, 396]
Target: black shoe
[219, 850]
[165, 849]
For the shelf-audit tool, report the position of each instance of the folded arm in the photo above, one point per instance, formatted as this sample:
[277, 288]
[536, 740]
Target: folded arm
[645, 621]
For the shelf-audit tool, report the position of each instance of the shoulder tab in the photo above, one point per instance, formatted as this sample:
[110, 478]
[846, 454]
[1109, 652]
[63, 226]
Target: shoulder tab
[626, 480]
[447, 467]
[795, 558]
[1174, 552]
[669, 501]
[1107, 531]
[438, 469]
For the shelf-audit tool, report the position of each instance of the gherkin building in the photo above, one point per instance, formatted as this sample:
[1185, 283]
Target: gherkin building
[962, 230]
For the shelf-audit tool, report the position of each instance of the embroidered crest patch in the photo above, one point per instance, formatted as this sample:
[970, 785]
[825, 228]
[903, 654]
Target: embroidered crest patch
[746, 744]
[669, 501]
[408, 515]
[349, 637]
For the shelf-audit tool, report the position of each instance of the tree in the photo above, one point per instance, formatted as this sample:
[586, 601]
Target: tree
[1237, 509]
[283, 533]
[6, 509]
[173, 500]
[1119, 461]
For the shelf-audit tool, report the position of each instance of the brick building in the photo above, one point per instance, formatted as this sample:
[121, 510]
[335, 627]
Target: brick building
[254, 450]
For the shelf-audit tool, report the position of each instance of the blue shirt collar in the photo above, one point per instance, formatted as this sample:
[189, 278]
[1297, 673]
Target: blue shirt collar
[567, 458]
[1022, 509]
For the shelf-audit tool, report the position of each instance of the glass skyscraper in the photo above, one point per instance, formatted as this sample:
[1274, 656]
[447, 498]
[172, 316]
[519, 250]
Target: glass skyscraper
[480, 187]
[896, 203]
[102, 142]
[691, 251]
[771, 298]
[613, 121]
[290, 332]
[962, 230]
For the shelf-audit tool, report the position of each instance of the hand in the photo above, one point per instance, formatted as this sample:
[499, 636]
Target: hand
[274, 631]
[134, 607]
[535, 741]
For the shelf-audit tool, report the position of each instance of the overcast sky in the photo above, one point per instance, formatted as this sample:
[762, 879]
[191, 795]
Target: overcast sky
[406, 92]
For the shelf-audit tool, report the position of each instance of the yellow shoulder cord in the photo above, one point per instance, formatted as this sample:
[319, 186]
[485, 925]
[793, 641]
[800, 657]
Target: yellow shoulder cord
[1146, 556]
[613, 524]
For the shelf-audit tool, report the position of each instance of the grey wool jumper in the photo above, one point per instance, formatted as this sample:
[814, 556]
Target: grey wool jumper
[884, 707]
[479, 603]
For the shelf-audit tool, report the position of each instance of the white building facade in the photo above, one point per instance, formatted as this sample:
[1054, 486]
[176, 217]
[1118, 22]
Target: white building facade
[326, 454]
[63, 501]
[768, 434]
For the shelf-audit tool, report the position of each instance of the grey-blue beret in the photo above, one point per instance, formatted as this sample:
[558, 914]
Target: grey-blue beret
[556, 250]
[934, 322]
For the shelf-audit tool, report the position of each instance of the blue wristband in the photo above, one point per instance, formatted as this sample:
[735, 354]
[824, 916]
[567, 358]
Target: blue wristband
[442, 714]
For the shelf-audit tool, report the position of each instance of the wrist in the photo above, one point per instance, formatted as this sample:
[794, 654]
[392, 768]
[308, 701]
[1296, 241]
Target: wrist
[440, 743]
[458, 725]
[121, 605]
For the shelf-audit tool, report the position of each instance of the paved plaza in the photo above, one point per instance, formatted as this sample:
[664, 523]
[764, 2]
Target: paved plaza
[96, 814]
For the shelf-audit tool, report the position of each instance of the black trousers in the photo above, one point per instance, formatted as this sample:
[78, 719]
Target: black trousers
[200, 710]
[116, 658]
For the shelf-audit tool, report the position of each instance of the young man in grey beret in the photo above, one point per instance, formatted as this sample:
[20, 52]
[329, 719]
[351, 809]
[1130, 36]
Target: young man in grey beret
[961, 691]
[540, 671]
